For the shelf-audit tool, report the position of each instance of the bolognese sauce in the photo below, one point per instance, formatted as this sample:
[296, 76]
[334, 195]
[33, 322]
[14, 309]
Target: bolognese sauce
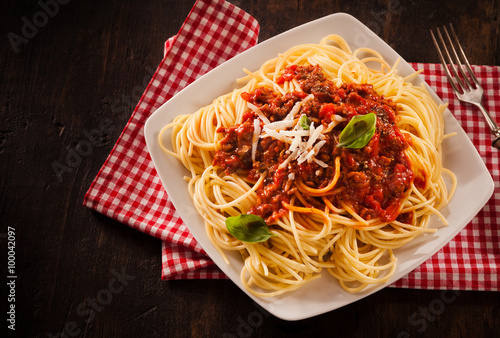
[373, 181]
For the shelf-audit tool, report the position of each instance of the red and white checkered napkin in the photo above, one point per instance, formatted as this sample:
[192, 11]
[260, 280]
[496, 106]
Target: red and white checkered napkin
[127, 188]
[471, 261]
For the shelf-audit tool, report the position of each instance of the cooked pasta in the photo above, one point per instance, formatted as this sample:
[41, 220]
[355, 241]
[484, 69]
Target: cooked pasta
[337, 153]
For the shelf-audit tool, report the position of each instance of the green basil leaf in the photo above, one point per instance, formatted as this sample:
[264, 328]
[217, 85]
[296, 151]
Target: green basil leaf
[358, 132]
[304, 122]
[248, 228]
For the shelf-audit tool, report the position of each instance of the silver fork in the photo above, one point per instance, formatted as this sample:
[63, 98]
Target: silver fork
[465, 85]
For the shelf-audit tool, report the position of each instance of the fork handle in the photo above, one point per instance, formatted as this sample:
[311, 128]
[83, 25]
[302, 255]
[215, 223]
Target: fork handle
[495, 130]
[496, 143]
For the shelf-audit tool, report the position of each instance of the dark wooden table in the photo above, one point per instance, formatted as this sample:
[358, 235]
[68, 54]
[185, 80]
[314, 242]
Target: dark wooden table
[63, 64]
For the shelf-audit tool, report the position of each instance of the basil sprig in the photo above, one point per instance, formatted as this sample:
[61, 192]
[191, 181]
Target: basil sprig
[358, 132]
[248, 228]
[304, 122]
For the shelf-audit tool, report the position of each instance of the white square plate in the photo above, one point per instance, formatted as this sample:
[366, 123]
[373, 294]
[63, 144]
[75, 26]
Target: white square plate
[475, 185]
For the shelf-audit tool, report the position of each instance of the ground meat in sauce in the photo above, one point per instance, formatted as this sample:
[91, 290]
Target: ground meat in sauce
[374, 179]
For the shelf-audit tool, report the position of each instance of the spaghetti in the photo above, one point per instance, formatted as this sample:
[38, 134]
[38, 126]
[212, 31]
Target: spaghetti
[272, 148]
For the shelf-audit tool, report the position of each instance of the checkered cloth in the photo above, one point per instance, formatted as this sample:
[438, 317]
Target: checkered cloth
[127, 188]
[471, 261]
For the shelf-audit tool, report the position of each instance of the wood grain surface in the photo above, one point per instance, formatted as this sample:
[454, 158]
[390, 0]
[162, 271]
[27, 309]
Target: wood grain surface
[80, 274]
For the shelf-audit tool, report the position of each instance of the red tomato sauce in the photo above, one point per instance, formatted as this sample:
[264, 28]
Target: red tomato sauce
[374, 180]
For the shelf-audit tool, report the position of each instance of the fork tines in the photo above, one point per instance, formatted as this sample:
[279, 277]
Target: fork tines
[461, 78]
[457, 62]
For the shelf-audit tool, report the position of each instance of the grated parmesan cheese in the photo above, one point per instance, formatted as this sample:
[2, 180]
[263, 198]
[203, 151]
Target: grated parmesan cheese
[259, 113]
[299, 149]
[320, 163]
[336, 120]
[288, 159]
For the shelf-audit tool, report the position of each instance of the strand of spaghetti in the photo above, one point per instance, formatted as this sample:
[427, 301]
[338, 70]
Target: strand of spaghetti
[350, 69]
[319, 192]
[390, 239]
[314, 225]
[210, 233]
[269, 280]
[341, 43]
[306, 211]
[331, 243]
[362, 284]
[413, 227]
[410, 77]
[360, 269]
[285, 263]
[307, 260]
[350, 268]
[419, 205]
[453, 184]
[285, 244]
[353, 213]
[280, 289]
[343, 220]
[224, 204]
[309, 244]
[255, 258]
[331, 206]
[160, 138]
[372, 52]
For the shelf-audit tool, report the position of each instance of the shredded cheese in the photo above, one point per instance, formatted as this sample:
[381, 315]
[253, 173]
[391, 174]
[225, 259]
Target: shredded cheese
[304, 144]
[336, 120]
[259, 113]
[288, 159]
